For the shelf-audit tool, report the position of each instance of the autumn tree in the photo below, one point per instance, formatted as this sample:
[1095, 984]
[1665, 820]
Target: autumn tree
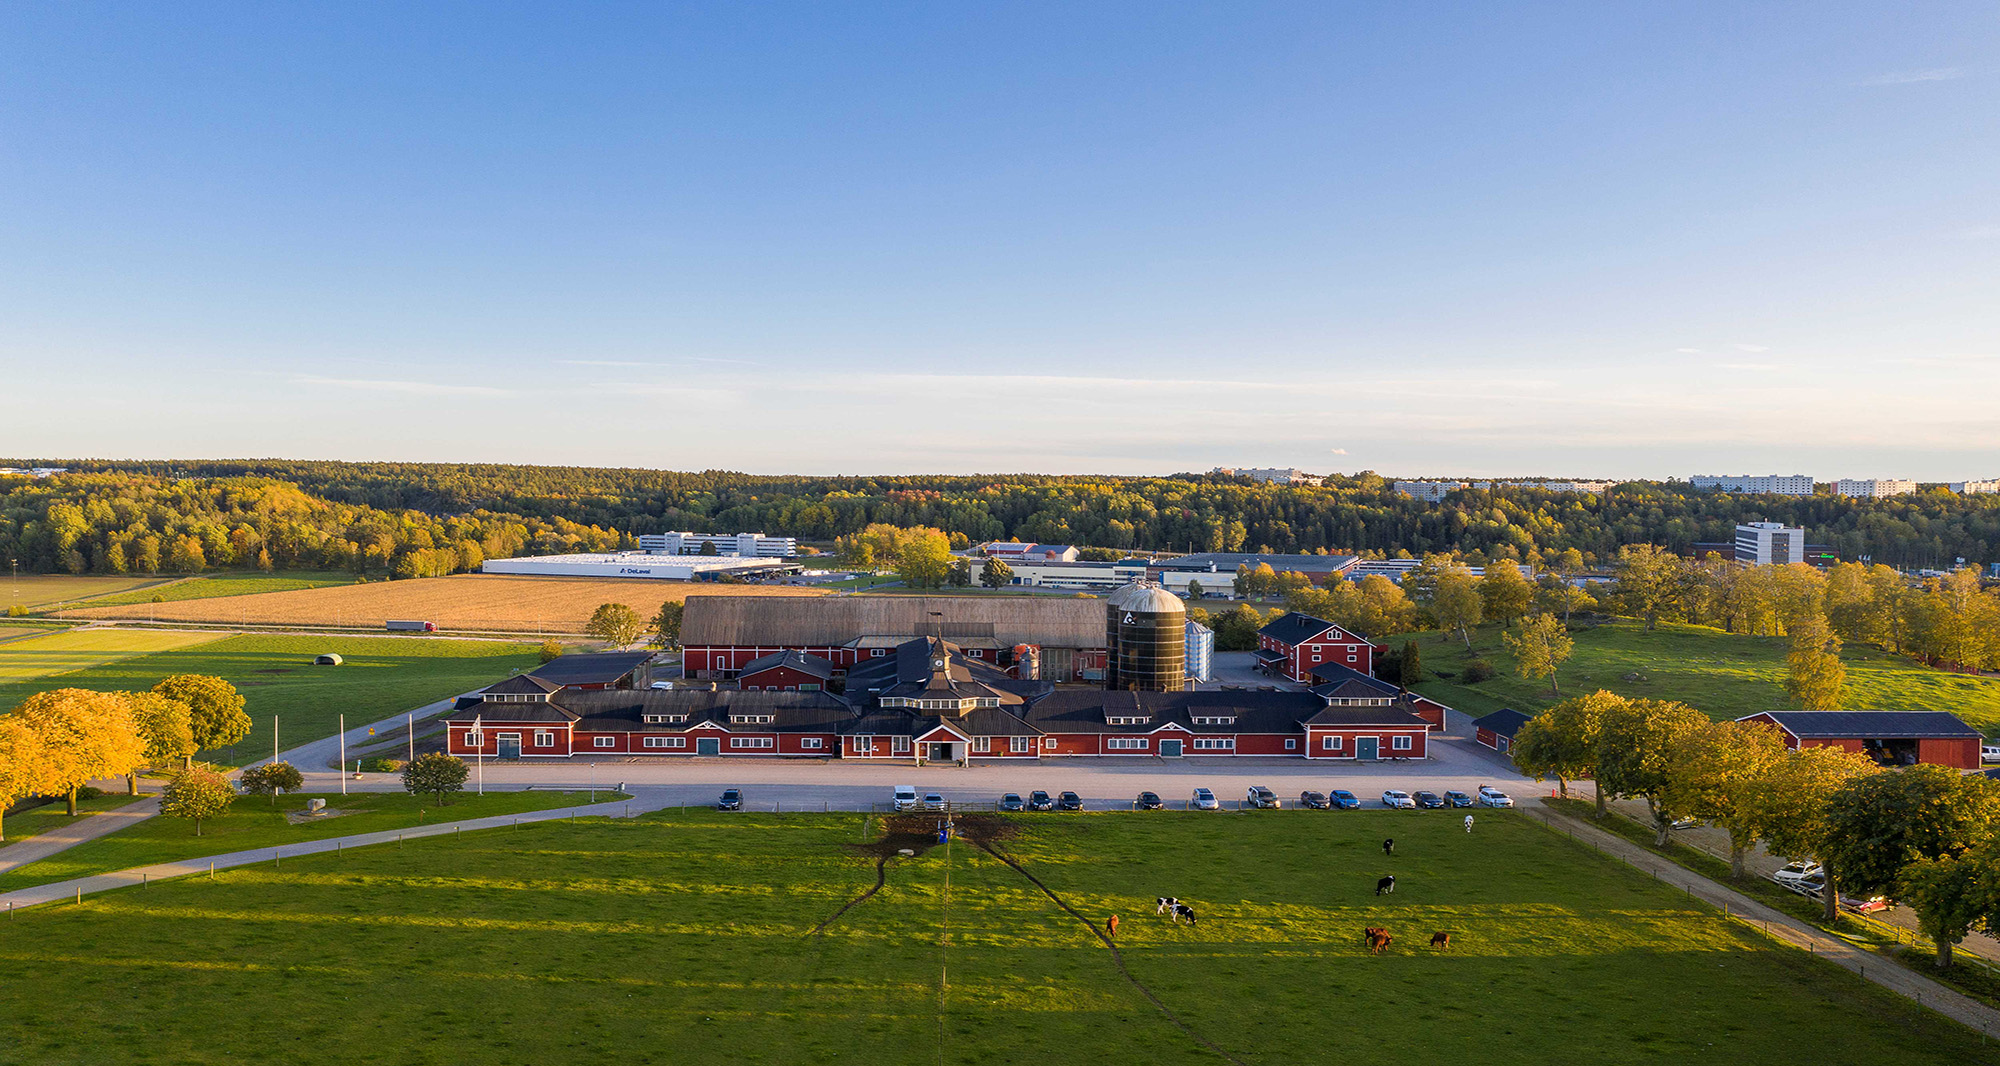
[615, 623]
[166, 725]
[1793, 801]
[1455, 603]
[1561, 742]
[1540, 649]
[1652, 581]
[23, 763]
[271, 779]
[925, 559]
[1717, 774]
[197, 792]
[1814, 676]
[215, 708]
[1635, 748]
[84, 736]
[1951, 895]
[550, 651]
[1503, 592]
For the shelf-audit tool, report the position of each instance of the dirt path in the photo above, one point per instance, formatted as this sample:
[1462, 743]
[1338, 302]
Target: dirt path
[881, 878]
[86, 827]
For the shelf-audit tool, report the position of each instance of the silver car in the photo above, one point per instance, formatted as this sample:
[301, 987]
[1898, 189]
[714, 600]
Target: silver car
[1204, 800]
[1398, 798]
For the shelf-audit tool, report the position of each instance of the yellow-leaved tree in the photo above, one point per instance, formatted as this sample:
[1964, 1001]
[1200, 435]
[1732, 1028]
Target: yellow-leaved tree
[85, 736]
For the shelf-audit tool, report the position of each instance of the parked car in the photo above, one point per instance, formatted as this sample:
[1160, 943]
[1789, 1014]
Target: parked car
[933, 801]
[1204, 800]
[1396, 797]
[1344, 800]
[1012, 802]
[1455, 798]
[1069, 801]
[1493, 797]
[1427, 800]
[1813, 886]
[1793, 873]
[1040, 801]
[906, 797]
[1313, 801]
[1684, 823]
[732, 800]
[1148, 801]
[1989, 753]
[1260, 798]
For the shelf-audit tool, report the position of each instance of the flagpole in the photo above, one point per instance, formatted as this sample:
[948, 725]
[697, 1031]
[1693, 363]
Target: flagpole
[343, 755]
[479, 727]
[410, 723]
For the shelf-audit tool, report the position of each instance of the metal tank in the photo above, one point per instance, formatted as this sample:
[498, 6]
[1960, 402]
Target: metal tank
[1114, 607]
[1149, 632]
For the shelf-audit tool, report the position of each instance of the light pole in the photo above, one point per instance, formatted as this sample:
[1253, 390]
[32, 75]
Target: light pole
[343, 755]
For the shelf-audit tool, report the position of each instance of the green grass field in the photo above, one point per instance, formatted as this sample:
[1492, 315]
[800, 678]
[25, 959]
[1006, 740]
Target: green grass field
[20, 826]
[257, 822]
[382, 675]
[27, 661]
[1723, 674]
[221, 585]
[47, 590]
[687, 939]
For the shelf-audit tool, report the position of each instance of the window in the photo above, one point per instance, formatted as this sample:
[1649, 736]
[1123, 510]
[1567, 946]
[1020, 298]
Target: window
[753, 719]
[976, 653]
[1125, 743]
[808, 688]
[604, 742]
[1048, 742]
[1215, 743]
[1315, 655]
[1126, 720]
[982, 744]
[864, 743]
[1018, 744]
[1399, 744]
[475, 739]
[875, 653]
[1214, 720]
[810, 743]
[1331, 744]
[788, 688]
[897, 744]
[545, 739]
[752, 742]
[1291, 744]
[655, 742]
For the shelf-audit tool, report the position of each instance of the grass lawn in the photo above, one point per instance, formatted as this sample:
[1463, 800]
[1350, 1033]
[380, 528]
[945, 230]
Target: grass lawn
[25, 824]
[219, 585]
[47, 590]
[1723, 674]
[32, 664]
[381, 676]
[685, 938]
[255, 823]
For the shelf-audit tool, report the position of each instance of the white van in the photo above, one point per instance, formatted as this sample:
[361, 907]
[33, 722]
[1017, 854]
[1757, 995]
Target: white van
[906, 797]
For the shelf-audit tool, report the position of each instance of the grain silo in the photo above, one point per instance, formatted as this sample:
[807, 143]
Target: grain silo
[1147, 630]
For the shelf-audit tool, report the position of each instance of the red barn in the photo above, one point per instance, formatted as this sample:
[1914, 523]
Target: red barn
[1891, 738]
[1344, 686]
[1296, 643]
[785, 671]
[1497, 730]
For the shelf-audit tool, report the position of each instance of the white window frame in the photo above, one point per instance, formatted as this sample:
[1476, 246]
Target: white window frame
[474, 739]
[603, 742]
[875, 653]
[751, 743]
[1125, 744]
[545, 738]
[1291, 743]
[1331, 744]
[1048, 742]
[899, 745]
[1019, 745]
[1401, 743]
[811, 743]
[982, 745]
[1215, 743]
[655, 742]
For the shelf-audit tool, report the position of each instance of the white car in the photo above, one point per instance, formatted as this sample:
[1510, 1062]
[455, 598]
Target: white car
[1396, 797]
[1796, 874]
[1493, 797]
[1204, 800]
[933, 801]
[906, 797]
[1989, 753]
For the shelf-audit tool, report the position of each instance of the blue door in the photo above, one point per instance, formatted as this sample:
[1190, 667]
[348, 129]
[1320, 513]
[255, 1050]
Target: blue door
[713, 746]
[509, 745]
[1170, 749]
[1367, 747]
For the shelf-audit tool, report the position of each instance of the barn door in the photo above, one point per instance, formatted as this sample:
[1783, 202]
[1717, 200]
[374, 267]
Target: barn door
[1367, 747]
[708, 745]
[1170, 749]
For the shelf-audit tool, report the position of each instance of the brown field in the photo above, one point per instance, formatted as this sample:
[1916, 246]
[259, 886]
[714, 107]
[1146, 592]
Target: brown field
[48, 590]
[505, 602]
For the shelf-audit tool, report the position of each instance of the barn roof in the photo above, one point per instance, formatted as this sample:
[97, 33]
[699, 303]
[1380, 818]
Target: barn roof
[1872, 724]
[1293, 627]
[591, 668]
[791, 660]
[1399, 717]
[1345, 682]
[1504, 722]
[524, 685]
[1086, 711]
[832, 621]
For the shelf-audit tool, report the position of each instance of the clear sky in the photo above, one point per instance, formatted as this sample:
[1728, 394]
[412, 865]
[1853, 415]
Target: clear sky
[1583, 239]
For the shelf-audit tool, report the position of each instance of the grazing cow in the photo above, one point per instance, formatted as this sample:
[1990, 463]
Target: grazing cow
[1440, 940]
[1386, 884]
[1111, 927]
[1182, 910]
[1379, 941]
[1166, 905]
[1468, 823]
[1389, 846]
[1369, 933]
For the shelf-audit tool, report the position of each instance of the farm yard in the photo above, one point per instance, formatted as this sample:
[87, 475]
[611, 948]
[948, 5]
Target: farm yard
[480, 602]
[1725, 675]
[381, 676]
[696, 937]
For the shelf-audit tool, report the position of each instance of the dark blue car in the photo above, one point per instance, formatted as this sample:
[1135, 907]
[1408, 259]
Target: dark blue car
[1428, 801]
[1455, 798]
[1344, 800]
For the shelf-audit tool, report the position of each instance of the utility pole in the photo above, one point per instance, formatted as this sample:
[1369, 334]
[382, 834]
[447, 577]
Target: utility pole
[343, 755]
[274, 738]
[410, 720]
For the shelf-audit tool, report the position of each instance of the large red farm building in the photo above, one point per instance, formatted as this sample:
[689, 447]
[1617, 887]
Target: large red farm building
[1892, 738]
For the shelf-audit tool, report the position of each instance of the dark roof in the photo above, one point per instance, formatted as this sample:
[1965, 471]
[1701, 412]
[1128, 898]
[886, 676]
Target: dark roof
[1293, 627]
[1872, 724]
[1504, 722]
[591, 668]
[626, 709]
[1085, 711]
[1227, 562]
[790, 660]
[912, 672]
[490, 713]
[524, 684]
[1396, 716]
[1345, 682]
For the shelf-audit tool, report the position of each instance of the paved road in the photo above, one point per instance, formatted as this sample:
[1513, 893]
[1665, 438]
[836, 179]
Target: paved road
[322, 755]
[85, 827]
[1783, 927]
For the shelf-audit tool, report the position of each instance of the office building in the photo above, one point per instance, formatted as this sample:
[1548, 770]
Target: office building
[1768, 543]
[1764, 484]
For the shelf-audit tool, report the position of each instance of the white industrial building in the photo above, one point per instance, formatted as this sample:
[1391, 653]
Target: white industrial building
[1764, 484]
[1768, 543]
[1277, 475]
[1061, 575]
[747, 545]
[1874, 488]
[1428, 491]
[1976, 488]
[637, 564]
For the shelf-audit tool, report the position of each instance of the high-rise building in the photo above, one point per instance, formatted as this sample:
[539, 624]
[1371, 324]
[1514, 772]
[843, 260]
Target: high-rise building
[1280, 475]
[1755, 484]
[1873, 488]
[1976, 488]
[1428, 491]
[752, 545]
[1766, 543]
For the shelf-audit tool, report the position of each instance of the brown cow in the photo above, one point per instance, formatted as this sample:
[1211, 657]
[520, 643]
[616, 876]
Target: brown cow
[1112, 926]
[1379, 941]
[1368, 933]
[1440, 940]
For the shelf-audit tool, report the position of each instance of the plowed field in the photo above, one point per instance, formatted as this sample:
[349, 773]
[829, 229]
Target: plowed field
[503, 602]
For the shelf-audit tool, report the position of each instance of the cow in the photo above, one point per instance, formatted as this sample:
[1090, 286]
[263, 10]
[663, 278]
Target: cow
[1111, 927]
[1441, 940]
[1166, 905]
[1182, 910]
[1369, 933]
[1379, 941]
[1386, 884]
[1389, 846]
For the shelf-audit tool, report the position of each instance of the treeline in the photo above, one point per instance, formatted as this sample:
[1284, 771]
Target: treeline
[557, 507]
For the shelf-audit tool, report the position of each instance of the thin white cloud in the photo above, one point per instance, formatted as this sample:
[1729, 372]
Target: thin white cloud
[1688, 351]
[1751, 366]
[1912, 77]
[415, 388]
[1338, 451]
[1752, 348]
[670, 364]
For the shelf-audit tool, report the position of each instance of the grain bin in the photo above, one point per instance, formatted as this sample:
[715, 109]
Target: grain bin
[1146, 627]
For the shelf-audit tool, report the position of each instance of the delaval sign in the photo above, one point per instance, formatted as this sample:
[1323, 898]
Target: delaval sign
[636, 571]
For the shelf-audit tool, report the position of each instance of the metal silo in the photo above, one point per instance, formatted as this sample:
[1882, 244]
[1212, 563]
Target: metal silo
[1114, 606]
[1149, 649]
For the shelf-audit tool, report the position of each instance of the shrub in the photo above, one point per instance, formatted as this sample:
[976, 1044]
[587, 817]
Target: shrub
[1478, 670]
[88, 793]
[381, 764]
[435, 774]
[17, 611]
[271, 779]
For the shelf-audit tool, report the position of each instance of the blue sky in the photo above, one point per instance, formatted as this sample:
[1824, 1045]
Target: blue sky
[1575, 239]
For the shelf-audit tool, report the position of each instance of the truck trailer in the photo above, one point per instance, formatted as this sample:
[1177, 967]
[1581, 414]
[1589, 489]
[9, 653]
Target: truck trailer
[411, 627]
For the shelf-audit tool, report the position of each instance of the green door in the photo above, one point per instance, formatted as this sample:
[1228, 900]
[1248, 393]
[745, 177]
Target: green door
[1170, 749]
[709, 745]
[1367, 747]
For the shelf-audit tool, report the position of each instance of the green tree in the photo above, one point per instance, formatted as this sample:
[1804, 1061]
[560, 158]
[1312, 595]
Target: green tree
[1410, 665]
[197, 792]
[615, 623]
[1814, 675]
[1635, 749]
[960, 576]
[23, 763]
[435, 774]
[995, 574]
[1540, 649]
[271, 779]
[667, 624]
[1455, 603]
[1503, 592]
[708, 549]
[1792, 801]
[1561, 742]
[1880, 823]
[1951, 895]
[925, 560]
[215, 708]
[167, 727]
[1652, 582]
[1194, 590]
[550, 651]
[1717, 774]
[84, 736]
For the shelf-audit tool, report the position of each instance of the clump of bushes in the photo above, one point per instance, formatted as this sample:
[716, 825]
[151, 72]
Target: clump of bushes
[1478, 670]
[381, 764]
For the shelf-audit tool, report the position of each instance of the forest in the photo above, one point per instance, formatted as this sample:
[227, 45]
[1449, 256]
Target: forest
[414, 519]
